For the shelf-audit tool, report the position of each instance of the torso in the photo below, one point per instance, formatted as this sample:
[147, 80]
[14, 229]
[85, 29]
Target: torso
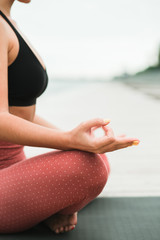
[26, 112]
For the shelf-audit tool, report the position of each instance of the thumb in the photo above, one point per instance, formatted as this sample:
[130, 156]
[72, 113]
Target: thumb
[96, 122]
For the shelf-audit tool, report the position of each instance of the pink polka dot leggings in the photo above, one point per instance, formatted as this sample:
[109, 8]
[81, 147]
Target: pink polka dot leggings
[31, 190]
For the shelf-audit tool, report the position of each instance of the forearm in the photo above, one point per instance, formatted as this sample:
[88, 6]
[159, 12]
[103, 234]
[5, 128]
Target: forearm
[40, 121]
[20, 131]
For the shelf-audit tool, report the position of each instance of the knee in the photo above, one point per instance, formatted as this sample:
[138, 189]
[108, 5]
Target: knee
[91, 168]
[106, 162]
[98, 172]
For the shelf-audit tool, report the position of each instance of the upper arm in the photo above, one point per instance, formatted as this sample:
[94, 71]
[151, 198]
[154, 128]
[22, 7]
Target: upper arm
[4, 43]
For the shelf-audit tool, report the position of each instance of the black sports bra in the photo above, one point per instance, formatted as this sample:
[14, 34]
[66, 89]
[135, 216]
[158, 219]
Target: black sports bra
[27, 79]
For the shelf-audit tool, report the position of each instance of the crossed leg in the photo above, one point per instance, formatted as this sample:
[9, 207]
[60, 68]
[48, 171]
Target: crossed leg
[62, 182]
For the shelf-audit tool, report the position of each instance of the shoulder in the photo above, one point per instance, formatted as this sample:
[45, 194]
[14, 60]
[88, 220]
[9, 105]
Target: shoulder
[4, 36]
[2, 23]
[3, 27]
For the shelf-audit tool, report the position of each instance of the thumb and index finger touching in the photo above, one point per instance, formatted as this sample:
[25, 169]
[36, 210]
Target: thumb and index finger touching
[98, 122]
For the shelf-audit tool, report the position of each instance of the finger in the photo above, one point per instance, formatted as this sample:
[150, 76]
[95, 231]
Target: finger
[115, 146]
[104, 141]
[108, 131]
[124, 140]
[94, 128]
[108, 144]
[105, 128]
[122, 135]
[97, 122]
[123, 143]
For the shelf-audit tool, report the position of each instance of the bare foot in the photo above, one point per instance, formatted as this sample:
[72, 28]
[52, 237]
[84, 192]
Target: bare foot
[61, 223]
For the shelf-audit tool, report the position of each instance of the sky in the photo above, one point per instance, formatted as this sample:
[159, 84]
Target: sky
[91, 38]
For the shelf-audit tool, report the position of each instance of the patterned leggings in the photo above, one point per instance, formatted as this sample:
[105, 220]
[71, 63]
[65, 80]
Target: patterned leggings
[31, 190]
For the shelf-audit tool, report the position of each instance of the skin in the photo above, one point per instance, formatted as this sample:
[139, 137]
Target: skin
[21, 125]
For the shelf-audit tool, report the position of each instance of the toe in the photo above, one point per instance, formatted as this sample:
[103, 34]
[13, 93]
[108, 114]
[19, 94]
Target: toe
[66, 228]
[57, 230]
[61, 229]
[71, 227]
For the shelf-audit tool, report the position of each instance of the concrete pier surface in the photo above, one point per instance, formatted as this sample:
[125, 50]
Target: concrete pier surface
[135, 171]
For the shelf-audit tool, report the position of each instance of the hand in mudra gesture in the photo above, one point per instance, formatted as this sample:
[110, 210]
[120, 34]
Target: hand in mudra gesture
[82, 137]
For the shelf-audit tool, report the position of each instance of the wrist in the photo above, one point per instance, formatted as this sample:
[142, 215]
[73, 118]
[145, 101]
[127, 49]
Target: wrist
[69, 140]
